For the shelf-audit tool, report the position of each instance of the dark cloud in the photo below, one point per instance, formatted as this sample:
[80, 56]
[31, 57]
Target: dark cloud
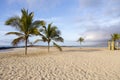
[100, 18]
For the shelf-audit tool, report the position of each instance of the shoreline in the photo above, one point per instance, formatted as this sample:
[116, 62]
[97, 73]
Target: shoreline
[8, 49]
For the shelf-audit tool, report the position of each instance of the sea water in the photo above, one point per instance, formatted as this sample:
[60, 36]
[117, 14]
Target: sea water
[66, 43]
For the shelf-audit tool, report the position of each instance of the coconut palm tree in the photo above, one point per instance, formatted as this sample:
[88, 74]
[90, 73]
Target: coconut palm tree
[51, 34]
[80, 40]
[25, 26]
[115, 37]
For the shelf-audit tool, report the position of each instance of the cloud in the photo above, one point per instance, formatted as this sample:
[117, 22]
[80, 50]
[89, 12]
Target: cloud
[102, 30]
[98, 18]
[96, 36]
[104, 8]
[93, 19]
[91, 28]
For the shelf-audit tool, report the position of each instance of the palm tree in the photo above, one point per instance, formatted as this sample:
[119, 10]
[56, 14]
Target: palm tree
[115, 37]
[80, 40]
[51, 33]
[25, 25]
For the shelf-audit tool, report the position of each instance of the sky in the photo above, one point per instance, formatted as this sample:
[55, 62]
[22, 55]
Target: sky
[94, 20]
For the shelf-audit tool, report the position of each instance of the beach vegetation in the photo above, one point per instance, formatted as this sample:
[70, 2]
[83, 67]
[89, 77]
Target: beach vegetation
[50, 34]
[25, 27]
[80, 40]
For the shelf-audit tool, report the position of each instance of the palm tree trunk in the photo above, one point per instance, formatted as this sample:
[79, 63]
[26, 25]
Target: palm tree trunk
[80, 45]
[48, 46]
[26, 45]
[114, 45]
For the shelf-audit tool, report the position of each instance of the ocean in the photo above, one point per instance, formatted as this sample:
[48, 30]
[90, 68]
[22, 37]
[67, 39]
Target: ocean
[66, 43]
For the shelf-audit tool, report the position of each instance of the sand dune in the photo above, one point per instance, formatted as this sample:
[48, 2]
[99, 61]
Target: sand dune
[71, 64]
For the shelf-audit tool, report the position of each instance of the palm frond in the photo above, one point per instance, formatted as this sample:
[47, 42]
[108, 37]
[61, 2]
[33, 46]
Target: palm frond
[54, 32]
[44, 27]
[24, 11]
[80, 39]
[54, 28]
[18, 40]
[14, 22]
[26, 20]
[49, 29]
[60, 39]
[57, 46]
[37, 40]
[31, 15]
[34, 31]
[42, 23]
[115, 36]
[38, 23]
[15, 33]
[44, 38]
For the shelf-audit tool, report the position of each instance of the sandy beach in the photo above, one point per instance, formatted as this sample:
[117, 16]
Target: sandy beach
[70, 64]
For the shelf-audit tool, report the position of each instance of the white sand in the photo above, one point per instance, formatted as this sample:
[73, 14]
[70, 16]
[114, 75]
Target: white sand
[71, 64]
